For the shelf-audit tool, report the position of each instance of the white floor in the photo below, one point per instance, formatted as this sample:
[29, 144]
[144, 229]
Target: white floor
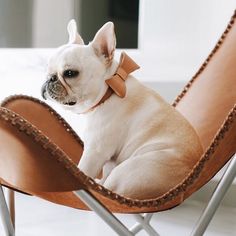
[36, 217]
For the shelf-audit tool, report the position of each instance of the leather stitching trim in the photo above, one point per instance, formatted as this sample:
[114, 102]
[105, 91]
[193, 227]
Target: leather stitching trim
[88, 183]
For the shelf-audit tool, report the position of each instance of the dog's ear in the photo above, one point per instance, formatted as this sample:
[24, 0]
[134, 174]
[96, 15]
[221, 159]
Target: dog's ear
[104, 42]
[74, 37]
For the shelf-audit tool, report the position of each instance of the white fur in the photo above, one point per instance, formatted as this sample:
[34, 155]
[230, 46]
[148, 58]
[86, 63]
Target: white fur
[137, 139]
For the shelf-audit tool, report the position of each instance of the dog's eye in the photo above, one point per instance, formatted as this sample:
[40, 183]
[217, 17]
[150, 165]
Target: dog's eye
[70, 73]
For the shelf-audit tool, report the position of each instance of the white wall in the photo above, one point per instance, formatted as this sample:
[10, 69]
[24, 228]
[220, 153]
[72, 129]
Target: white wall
[176, 36]
[49, 22]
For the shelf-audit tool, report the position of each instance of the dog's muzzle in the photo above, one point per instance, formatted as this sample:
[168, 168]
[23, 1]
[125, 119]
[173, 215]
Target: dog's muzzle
[55, 90]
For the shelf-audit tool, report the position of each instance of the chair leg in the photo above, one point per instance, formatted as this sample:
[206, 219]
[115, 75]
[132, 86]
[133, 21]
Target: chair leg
[143, 222]
[5, 215]
[216, 198]
[11, 204]
[103, 212]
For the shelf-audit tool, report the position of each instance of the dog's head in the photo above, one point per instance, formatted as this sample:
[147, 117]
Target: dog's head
[77, 72]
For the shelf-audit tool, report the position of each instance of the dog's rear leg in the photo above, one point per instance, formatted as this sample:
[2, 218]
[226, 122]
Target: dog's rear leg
[107, 168]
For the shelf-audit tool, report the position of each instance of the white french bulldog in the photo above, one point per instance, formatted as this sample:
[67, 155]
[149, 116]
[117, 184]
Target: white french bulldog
[142, 146]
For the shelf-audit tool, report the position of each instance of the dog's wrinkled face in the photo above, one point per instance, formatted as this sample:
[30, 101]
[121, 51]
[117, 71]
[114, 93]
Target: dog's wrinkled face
[77, 72]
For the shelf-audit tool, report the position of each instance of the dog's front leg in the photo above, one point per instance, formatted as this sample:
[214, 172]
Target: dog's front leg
[92, 162]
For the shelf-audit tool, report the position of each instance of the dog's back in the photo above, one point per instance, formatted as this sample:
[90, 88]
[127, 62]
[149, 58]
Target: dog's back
[158, 147]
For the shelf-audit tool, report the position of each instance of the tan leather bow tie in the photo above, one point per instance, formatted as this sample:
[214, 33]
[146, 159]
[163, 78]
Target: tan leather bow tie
[117, 82]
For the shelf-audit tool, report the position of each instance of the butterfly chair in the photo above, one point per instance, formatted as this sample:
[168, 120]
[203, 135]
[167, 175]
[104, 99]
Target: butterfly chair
[39, 151]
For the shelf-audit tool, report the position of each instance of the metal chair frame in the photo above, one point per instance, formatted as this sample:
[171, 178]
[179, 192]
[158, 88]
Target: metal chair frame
[7, 211]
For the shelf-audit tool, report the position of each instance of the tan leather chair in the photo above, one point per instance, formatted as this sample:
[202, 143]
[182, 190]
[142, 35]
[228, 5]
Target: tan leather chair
[39, 151]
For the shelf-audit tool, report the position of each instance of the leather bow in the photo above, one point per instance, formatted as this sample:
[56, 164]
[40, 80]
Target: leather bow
[117, 81]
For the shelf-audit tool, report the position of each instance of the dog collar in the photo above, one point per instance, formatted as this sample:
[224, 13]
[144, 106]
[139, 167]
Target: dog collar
[116, 84]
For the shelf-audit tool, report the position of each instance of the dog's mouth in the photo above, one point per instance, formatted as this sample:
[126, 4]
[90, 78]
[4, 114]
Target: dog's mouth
[72, 103]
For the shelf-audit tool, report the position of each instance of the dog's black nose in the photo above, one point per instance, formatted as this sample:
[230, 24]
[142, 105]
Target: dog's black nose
[53, 78]
[43, 90]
